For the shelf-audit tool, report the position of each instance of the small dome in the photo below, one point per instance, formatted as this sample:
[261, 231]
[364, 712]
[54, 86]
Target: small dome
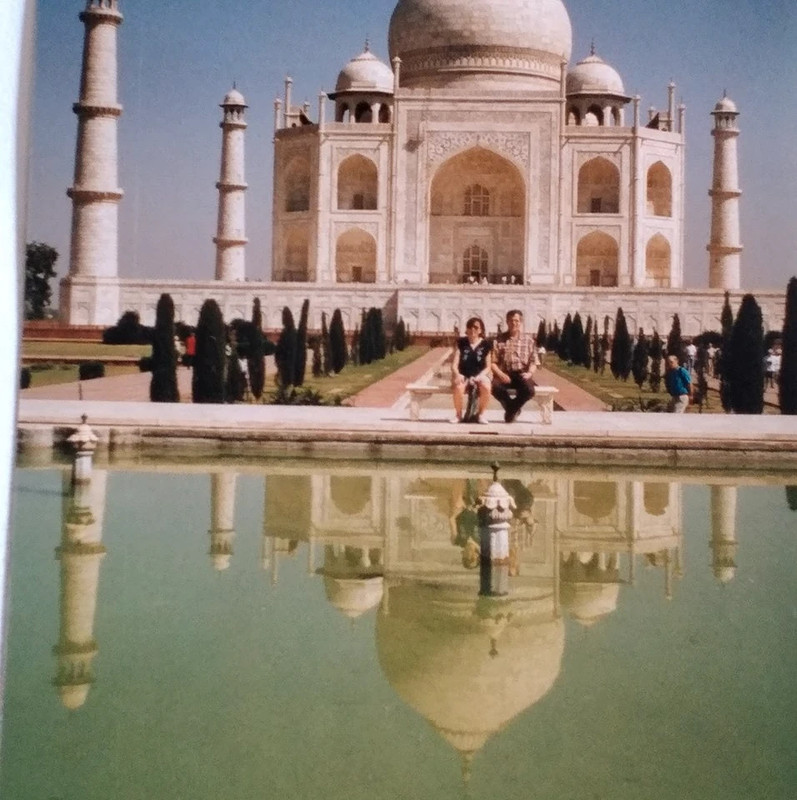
[365, 73]
[354, 596]
[234, 98]
[726, 106]
[593, 75]
[590, 602]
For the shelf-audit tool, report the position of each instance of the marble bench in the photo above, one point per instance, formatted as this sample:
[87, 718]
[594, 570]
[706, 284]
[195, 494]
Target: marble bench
[418, 392]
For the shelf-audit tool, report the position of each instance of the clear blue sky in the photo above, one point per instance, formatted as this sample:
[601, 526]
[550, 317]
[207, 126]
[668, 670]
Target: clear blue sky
[179, 57]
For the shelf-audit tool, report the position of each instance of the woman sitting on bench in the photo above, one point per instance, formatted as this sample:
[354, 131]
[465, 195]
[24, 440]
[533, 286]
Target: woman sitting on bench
[471, 367]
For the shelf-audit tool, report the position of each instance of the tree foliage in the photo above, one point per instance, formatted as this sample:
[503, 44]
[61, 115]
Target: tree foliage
[639, 359]
[747, 359]
[620, 363]
[656, 353]
[209, 377]
[300, 365]
[256, 363]
[285, 354]
[337, 341]
[674, 344]
[128, 330]
[788, 367]
[163, 384]
[40, 261]
[723, 367]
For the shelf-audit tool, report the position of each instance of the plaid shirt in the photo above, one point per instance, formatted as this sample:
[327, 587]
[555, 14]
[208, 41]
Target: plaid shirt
[516, 354]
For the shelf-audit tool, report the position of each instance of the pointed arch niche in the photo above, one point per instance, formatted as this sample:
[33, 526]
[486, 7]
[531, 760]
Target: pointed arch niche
[296, 192]
[598, 187]
[659, 191]
[477, 199]
[597, 260]
[355, 257]
[357, 184]
[658, 258]
[295, 262]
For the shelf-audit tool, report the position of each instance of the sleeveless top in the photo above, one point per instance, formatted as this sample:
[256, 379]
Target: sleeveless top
[472, 358]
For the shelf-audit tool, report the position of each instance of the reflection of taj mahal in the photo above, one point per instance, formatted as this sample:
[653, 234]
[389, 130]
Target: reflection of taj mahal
[383, 543]
[482, 169]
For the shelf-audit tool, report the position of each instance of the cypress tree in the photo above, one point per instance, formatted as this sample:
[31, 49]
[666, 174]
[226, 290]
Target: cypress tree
[563, 350]
[747, 359]
[541, 334]
[791, 497]
[639, 359]
[235, 385]
[674, 339]
[364, 344]
[326, 347]
[208, 380]
[256, 361]
[577, 340]
[400, 336]
[787, 391]
[316, 367]
[620, 364]
[596, 348]
[723, 367]
[337, 338]
[656, 353]
[285, 355]
[586, 345]
[354, 350]
[380, 337]
[605, 344]
[300, 364]
[163, 384]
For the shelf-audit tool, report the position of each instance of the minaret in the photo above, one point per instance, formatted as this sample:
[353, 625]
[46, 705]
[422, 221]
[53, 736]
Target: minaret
[230, 238]
[80, 553]
[95, 193]
[723, 532]
[724, 247]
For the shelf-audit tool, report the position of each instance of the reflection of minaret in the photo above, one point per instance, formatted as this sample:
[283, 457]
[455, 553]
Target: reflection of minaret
[723, 532]
[80, 553]
[230, 239]
[724, 248]
[222, 516]
[95, 193]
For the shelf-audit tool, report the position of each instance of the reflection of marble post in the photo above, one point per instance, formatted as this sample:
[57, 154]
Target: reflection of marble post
[723, 532]
[495, 512]
[80, 553]
[222, 516]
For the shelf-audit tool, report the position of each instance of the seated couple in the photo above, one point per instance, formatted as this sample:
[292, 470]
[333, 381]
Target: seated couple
[505, 368]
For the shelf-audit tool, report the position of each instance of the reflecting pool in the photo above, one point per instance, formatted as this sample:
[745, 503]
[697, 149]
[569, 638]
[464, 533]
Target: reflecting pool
[323, 631]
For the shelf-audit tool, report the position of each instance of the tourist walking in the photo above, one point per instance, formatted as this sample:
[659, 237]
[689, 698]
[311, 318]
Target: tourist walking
[471, 370]
[514, 362]
[679, 385]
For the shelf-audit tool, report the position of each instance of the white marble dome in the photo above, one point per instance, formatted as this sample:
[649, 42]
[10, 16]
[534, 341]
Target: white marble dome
[234, 98]
[447, 41]
[725, 105]
[592, 75]
[365, 73]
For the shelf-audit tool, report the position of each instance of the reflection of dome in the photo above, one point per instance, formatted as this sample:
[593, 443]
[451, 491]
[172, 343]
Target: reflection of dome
[589, 602]
[365, 73]
[353, 596]
[468, 673]
[593, 75]
[73, 695]
[440, 41]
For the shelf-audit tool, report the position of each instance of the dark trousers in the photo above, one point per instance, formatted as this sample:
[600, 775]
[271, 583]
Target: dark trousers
[523, 391]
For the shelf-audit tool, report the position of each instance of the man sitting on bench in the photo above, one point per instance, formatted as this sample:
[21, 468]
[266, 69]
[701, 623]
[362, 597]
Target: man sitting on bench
[514, 362]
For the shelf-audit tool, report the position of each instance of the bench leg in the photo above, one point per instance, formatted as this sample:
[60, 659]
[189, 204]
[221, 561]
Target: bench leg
[546, 410]
[415, 408]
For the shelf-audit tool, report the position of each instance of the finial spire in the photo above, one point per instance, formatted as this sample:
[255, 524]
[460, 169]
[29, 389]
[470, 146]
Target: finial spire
[592, 47]
[367, 45]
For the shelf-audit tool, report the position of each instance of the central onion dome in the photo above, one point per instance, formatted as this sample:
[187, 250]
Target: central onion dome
[516, 43]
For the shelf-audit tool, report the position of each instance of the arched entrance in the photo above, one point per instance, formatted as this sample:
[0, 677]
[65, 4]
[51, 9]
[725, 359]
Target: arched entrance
[477, 200]
[355, 257]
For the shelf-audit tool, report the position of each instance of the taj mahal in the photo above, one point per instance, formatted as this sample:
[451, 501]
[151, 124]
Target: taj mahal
[481, 167]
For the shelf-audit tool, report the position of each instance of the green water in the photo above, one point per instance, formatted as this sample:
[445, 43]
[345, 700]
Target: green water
[647, 647]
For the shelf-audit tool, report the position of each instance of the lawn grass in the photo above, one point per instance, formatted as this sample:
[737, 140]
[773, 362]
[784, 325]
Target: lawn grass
[618, 393]
[88, 350]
